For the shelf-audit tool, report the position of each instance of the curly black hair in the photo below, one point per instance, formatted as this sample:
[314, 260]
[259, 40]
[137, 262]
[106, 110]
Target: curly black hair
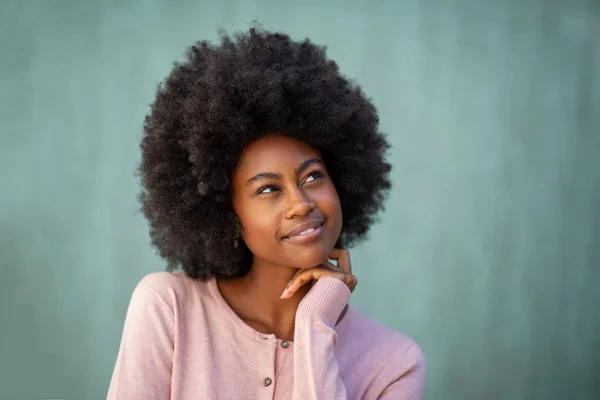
[223, 97]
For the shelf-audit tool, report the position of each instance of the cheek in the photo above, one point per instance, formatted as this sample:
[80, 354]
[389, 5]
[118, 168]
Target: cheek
[339, 219]
[260, 236]
[330, 205]
[259, 228]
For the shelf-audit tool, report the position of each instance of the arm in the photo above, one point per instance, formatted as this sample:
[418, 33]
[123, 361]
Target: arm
[410, 385]
[144, 362]
[316, 371]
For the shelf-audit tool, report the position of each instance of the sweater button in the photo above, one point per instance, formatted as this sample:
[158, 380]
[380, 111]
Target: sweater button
[267, 381]
[285, 344]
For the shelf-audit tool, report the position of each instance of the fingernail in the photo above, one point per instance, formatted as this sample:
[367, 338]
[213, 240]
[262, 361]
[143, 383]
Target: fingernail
[284, 293]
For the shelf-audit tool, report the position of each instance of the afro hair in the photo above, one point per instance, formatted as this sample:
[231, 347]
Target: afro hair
[223, 97]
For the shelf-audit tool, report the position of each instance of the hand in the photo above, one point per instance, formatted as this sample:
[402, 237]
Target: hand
[343, 272]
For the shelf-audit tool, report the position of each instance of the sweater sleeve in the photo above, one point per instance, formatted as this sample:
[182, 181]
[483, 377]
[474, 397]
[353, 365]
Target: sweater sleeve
[316, 371]
[144, 362]
[410, 384]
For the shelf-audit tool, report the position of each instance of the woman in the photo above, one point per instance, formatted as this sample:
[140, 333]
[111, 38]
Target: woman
[260, 165]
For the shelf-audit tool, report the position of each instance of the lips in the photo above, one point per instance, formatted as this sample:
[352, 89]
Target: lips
[312, 224]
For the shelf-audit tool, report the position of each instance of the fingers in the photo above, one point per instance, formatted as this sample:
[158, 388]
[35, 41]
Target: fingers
[342, 256]
[350, 280]
[296, 284]
[302, 277]
[342, 271]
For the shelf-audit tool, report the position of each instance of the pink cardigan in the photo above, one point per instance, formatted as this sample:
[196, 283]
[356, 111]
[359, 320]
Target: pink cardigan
[182, 341]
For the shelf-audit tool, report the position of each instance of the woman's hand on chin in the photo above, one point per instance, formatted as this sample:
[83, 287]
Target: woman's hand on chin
[341, 271]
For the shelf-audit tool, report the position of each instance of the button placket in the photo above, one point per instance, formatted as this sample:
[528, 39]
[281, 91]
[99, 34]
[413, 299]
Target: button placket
[267, 370]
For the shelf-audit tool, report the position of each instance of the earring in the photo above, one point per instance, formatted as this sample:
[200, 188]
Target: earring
[235, 242]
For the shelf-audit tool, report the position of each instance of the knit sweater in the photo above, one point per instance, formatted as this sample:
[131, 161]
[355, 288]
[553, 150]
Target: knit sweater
[181, 341]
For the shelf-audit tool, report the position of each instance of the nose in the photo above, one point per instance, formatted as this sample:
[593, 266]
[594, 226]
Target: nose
[299, 204]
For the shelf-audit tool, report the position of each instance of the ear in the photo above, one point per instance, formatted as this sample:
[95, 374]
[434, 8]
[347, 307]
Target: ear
[237, 228]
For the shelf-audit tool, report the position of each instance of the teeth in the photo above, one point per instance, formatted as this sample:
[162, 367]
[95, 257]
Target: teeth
[306, 232]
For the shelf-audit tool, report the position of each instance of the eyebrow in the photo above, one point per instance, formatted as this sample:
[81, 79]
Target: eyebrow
[273, 175]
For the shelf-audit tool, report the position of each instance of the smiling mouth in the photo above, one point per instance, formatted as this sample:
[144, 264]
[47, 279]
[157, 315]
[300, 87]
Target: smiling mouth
[306, 232]
[306, 236]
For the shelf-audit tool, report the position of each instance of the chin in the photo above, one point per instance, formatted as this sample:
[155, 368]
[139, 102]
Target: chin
[309, 258]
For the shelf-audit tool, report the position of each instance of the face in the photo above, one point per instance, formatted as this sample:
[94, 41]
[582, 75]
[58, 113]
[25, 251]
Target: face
[288, 206]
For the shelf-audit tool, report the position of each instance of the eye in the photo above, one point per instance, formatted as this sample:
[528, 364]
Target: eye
[313, 176]
[267, 189]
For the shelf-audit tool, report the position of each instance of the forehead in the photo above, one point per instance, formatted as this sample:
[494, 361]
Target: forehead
[272, 151]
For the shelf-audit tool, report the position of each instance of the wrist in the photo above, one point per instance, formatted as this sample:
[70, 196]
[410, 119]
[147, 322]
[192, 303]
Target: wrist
[324, 302]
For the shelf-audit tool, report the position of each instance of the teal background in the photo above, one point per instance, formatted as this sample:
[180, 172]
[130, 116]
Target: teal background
[488, 254]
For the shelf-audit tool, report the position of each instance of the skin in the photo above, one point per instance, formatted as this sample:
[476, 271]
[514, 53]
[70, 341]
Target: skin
[279, 184]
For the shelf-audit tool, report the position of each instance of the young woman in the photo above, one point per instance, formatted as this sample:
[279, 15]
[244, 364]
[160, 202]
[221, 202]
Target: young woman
[260, 165]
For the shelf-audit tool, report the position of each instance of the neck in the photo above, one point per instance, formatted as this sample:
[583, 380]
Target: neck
[255, 298]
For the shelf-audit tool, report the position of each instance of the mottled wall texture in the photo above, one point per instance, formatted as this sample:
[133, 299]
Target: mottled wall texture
[488, 254]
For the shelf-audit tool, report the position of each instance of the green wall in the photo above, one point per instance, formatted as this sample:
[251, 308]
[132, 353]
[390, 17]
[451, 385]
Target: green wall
[488, 254]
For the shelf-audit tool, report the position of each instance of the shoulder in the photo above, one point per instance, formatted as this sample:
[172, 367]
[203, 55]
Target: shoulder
[380, 345]
[172, 289]
[163, 282]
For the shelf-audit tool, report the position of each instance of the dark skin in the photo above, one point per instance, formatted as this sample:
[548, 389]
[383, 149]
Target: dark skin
[291, 218]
